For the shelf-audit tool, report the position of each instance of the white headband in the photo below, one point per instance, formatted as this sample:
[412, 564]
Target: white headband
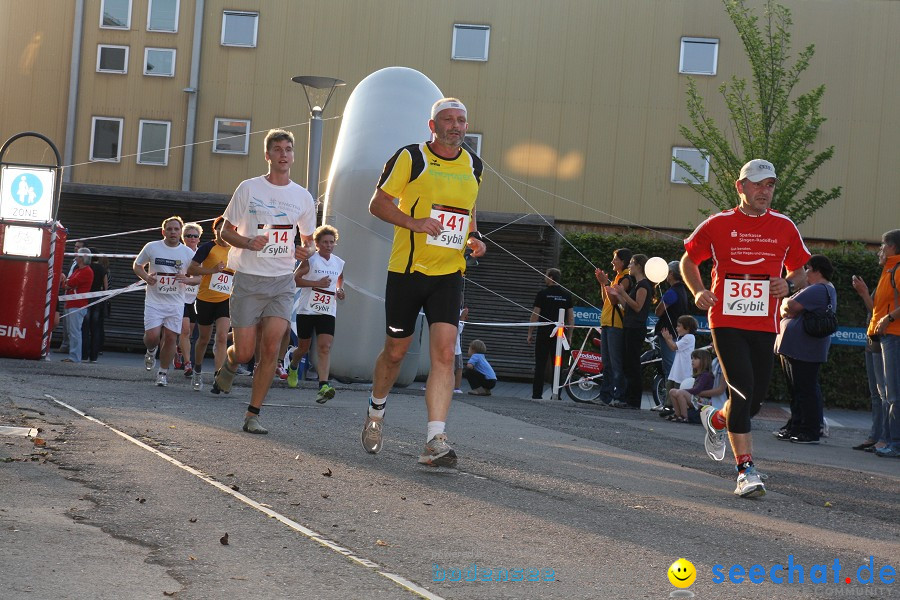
[444, 105]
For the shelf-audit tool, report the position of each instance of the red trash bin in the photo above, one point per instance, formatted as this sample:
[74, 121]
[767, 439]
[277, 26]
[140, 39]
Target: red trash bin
[24, 298]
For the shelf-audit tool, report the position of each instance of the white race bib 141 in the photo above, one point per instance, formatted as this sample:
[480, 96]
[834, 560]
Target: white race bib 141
[455, 222]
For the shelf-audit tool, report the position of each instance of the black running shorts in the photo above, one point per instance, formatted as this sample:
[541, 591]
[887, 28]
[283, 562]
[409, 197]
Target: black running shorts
[408, 293]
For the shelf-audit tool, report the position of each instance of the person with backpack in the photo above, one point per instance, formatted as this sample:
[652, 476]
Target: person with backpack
[885, 326]
[802, 351]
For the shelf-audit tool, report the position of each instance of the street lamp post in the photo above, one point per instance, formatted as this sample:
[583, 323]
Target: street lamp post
[318, 92]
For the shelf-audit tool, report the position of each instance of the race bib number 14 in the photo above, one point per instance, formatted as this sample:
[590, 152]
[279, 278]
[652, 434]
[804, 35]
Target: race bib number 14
[280, 241]
[746, 296]
[455, 222]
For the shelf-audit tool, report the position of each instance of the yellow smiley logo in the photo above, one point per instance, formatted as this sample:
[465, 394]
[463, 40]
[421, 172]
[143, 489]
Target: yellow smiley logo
[682, 573]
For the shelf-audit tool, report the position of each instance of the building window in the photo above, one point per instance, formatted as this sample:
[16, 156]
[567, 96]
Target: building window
[106, 139]
[115, 14]
[692, 157]
[699, 56]
[239, 28]
[162, 15]
[470, 42]
[153, 143]
[473, 142]
[232, 136]
[159, 62]
[112, 59]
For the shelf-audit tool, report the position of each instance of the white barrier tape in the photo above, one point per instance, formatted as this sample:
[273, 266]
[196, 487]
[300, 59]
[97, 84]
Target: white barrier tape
[362, 291]
[104, 299]
[131, 288]
[103, 255]
[108, 235]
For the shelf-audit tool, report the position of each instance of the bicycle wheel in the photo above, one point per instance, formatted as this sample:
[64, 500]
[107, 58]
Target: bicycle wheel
[659, 389]
[584, 388]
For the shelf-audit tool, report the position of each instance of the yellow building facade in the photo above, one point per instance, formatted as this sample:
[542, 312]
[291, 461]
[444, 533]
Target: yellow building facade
[576, 103]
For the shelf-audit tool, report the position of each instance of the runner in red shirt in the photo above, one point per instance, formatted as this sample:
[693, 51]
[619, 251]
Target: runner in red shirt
[750, 245]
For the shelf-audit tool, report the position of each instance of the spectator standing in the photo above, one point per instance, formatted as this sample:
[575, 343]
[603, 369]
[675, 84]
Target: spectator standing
[637, 307]
[802, 355]
[547, 304]
[885, 324]
[673, 304]
[612, 315]
[79, 282]
[874, 374]
[92, 329]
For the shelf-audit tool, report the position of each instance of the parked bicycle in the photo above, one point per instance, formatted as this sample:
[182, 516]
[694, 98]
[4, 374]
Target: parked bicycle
[585, 374]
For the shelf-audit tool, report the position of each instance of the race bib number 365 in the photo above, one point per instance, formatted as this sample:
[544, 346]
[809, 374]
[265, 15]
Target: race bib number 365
[455, 222]
[280, 242]
[746, 296]
[322, 302]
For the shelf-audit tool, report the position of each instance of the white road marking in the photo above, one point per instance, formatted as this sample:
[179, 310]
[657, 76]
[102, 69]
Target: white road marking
[309, 533]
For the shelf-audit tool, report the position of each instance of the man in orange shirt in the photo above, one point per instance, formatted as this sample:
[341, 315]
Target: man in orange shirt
[885, 324]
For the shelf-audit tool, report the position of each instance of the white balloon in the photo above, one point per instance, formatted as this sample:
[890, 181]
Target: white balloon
[656, 269]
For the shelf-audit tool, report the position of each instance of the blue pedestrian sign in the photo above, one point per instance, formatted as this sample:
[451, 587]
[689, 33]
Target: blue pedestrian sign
[26, 193]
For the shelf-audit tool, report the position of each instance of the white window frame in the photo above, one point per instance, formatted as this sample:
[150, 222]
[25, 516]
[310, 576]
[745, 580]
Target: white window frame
[241, 13]
[714, 42]
[118, 157]
[457, 27]
[215, 148]
[103, 10]
[678, 152]
[146, 56]
[101, 47]
[477, 148]
[165, 149]
[177, 15]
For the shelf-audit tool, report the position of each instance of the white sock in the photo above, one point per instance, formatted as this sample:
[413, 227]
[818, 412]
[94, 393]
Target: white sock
[377, 401]
[434, 428]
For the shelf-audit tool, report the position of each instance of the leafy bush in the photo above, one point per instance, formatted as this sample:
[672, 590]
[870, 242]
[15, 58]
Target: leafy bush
[843, 377]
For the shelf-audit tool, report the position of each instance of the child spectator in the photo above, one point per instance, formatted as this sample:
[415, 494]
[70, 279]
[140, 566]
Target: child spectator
[458, 364]
[687, 402]
[685, 328]
[478, 371]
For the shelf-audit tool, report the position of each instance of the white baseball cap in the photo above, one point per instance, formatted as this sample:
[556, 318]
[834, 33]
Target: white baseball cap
[444, 104]
[758, 169]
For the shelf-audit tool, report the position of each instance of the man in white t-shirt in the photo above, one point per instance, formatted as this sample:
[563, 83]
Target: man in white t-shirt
[163, 265]
[261, 222]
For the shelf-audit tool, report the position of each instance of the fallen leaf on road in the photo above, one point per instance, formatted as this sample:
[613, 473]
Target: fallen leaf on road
[327, 473]
[39, 442]
[170, 594]
[191, 557]
[380, 543]
[297, 457]
[324, 495]
[193, 519]
[235, 488]
[141, 500]
[828, 505]
[224, 540]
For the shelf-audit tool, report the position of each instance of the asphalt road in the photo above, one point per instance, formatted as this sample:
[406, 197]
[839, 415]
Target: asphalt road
[134, 499]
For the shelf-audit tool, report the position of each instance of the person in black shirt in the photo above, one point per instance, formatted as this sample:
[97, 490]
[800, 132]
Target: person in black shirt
[547, 303]
[92, 327]
[637, 305]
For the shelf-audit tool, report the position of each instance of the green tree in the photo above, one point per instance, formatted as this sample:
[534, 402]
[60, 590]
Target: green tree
[765, 122]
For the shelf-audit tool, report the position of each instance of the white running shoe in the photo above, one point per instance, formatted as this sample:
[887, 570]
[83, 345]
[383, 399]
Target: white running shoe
[749, 484]
[714, 441]
[197, 381]
[150, 359]
[162, 380]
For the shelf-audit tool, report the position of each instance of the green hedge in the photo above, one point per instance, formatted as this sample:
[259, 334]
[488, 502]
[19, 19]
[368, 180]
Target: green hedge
[843, 377]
